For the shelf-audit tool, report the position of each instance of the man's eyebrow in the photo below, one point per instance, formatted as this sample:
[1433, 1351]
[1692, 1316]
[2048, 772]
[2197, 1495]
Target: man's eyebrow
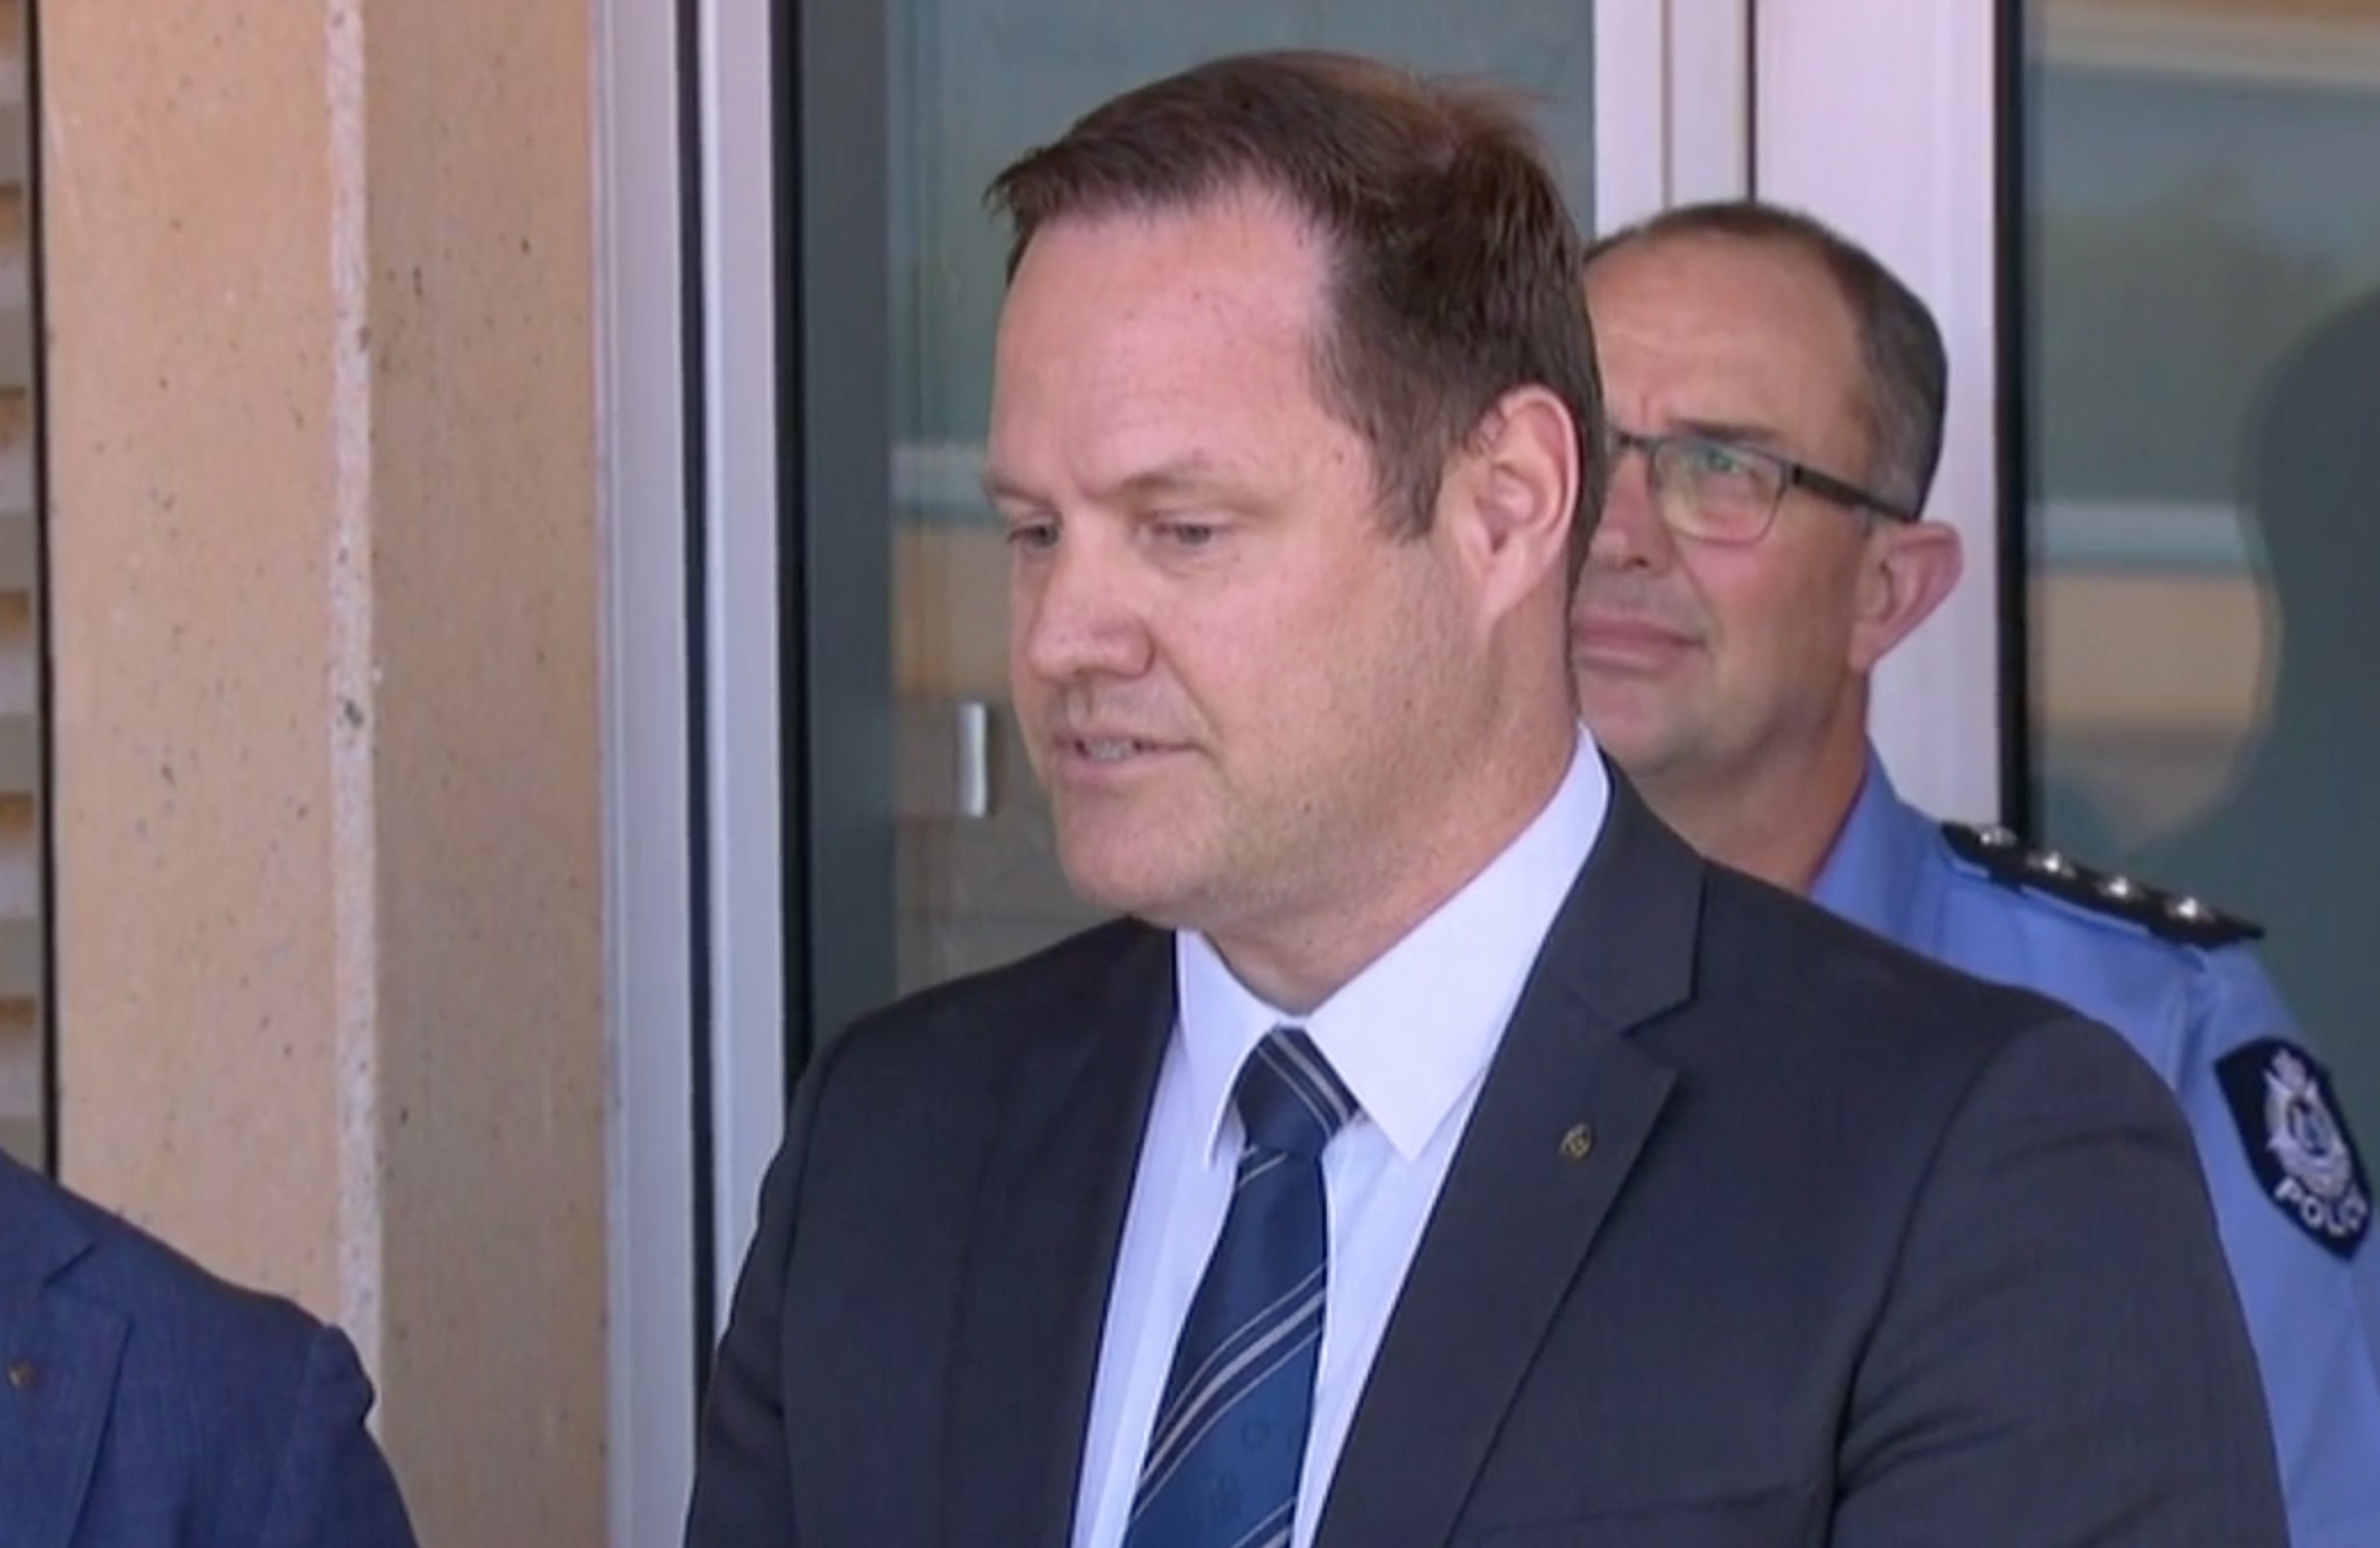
[1733, 432]
[1193, 474]
[998, 490]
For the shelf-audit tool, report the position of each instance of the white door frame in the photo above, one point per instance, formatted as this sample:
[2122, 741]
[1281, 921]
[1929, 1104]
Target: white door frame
[648, 1000]
[1660, 65]
[1879, 116]
[659, 874]
[1673, 74]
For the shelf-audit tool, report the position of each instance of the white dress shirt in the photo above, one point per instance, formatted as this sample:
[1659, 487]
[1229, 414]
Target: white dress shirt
[1412, 1037]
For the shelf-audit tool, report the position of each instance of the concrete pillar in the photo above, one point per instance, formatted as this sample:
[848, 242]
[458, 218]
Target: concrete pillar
[322, 545]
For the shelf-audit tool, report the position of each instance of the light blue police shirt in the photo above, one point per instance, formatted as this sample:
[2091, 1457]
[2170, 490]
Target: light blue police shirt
[2291, 1196]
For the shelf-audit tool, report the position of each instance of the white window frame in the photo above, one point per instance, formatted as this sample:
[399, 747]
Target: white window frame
[747, 973]
[1662, 75]
[1878, 116]
[1657, 62]
[649, 877]
[648, 1145]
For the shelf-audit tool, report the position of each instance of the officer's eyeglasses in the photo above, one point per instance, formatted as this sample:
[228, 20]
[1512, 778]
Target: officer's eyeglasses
[1714, 491]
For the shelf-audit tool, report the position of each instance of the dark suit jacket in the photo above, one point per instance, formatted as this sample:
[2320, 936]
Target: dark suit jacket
[1862, 1252]
[143, 1404]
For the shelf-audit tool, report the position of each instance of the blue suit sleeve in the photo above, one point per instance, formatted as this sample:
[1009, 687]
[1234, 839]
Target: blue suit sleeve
[2292, 1201]
[334, 1488]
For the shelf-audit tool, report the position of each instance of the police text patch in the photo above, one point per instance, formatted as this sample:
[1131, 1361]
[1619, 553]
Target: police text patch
[2297, 1141]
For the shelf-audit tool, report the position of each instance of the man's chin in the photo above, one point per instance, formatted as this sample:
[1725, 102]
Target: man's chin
[1630, 733]
[1138, 885]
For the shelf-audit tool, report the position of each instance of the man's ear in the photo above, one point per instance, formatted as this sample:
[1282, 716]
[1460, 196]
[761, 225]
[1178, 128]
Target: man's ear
[1906, 570]
[1511, 494]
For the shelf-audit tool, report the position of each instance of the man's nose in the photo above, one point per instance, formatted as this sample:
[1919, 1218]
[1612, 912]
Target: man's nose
[1630, 533]
[1076, 613]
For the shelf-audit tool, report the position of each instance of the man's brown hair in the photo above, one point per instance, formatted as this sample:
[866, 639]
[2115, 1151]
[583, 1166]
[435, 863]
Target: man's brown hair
[1454, 277]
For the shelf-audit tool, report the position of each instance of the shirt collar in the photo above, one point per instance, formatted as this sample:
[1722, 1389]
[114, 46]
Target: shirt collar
[1412, 1032]
[1872, 874]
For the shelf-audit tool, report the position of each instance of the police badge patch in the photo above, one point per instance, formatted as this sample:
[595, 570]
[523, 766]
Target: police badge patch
[2297, 1143]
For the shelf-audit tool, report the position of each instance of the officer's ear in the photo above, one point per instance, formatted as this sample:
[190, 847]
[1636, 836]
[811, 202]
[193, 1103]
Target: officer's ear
[1906, 568]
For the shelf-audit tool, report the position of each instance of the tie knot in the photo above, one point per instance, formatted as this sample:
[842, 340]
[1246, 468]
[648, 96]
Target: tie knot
[1289, 1097]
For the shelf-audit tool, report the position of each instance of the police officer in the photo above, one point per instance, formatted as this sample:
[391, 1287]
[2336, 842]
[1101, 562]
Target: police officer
[1777, 397]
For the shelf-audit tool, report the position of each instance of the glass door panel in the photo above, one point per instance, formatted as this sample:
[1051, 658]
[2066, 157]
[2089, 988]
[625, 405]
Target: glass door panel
[2204, 439]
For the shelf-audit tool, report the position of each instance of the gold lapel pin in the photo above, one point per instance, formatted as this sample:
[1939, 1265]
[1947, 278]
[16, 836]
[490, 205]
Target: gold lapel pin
[23, 1375]
[1579, 1143]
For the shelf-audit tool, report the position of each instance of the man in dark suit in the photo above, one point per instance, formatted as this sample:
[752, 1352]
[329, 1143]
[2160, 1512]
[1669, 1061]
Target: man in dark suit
[143, 1402]
[1441, 1152]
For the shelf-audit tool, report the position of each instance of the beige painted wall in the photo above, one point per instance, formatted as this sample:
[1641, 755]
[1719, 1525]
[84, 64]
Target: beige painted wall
[323, 540]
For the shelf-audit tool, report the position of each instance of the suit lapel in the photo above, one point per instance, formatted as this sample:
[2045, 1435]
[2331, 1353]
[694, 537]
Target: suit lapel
[58, 1359]
[1567, 1107]
[1043, 1248]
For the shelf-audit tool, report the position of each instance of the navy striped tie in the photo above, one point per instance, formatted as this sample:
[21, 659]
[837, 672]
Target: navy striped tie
[1223, 1458]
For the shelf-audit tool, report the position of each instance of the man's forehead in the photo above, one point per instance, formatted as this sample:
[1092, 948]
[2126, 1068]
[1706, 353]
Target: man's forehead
[1218, 275]
[1160, 379]
[1721, 329]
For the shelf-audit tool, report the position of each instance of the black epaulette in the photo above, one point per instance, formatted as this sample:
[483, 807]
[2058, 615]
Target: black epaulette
[2007, 860]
